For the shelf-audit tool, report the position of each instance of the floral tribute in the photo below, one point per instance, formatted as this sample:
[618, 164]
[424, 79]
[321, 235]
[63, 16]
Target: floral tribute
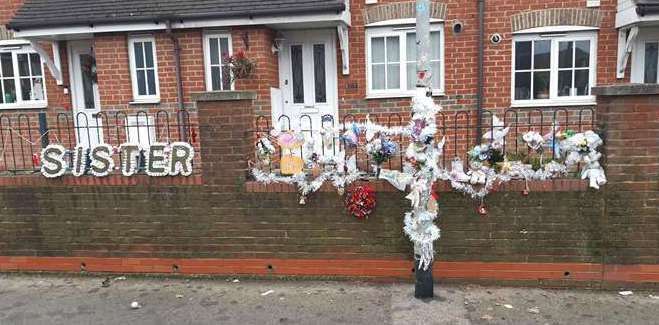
[380, 150]
[360, 201]
[160, 159]
[488, 165]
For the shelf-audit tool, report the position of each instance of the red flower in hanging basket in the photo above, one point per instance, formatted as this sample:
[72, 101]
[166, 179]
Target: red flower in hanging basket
[360, 201]
[242, 67]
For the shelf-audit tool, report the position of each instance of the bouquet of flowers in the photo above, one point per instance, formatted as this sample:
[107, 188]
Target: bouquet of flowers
[350, 137]
[381, 149]
[265, 150]
[534, 140]
[486, 153]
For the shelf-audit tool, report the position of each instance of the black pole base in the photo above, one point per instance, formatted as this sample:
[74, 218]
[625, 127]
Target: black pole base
[424, 287]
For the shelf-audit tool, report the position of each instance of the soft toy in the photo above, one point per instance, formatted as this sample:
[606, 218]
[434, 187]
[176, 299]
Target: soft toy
[593, 170]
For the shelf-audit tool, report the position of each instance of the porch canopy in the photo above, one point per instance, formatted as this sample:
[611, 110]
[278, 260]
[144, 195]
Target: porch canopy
[635, 20]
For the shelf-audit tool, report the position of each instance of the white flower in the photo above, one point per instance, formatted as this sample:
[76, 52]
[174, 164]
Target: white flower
[497, 134]
[534, 140]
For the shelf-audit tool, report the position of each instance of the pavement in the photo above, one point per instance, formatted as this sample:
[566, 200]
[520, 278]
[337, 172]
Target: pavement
[46, 299]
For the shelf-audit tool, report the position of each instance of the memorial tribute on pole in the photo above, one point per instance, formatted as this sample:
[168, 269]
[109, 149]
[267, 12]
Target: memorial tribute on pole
[424, 283]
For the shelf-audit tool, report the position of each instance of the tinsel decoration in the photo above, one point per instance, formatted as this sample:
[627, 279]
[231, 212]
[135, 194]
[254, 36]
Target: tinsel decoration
[360, 202]
[487, 166]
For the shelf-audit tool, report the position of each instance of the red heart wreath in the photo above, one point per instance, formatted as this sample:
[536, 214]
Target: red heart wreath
[360, 201]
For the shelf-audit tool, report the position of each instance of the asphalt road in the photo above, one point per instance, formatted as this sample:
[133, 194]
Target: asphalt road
[38, 299]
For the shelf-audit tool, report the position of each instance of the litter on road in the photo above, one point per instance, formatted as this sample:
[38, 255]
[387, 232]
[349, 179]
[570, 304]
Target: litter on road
[267, 293]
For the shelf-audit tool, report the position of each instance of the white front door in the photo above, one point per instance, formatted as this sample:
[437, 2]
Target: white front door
[308, 80]
[84, 93]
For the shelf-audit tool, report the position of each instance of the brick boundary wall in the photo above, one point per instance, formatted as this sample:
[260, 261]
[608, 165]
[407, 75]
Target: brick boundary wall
[630, 116]
[221, 227]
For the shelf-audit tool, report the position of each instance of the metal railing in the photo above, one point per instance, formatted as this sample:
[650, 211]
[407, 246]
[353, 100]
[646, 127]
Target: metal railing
[458, 128]
[24, 135]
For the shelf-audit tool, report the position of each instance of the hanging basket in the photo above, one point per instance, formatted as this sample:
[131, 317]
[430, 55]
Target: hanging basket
[242, 67]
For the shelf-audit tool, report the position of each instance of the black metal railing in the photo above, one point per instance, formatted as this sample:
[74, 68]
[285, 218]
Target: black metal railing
[24, 135]
[458, 128]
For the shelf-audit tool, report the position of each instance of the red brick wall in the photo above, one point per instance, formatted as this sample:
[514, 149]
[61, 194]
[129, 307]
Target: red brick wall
[114, 71]
[461, 54]
[184, 225]
[256, 42]
[632, 156]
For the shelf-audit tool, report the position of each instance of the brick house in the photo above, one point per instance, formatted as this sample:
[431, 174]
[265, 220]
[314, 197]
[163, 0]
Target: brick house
[316, 58]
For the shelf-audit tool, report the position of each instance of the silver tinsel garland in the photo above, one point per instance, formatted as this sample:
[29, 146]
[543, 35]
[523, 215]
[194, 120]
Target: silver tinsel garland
[421, 169]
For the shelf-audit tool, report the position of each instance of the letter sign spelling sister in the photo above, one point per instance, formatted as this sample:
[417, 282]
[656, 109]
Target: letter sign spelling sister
[161, 160]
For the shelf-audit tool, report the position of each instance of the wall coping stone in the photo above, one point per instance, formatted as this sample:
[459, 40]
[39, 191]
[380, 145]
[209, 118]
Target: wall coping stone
[626, 89]
[554, 185]
[219, 96]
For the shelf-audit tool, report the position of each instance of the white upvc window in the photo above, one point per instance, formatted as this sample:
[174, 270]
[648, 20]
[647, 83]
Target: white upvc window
[651, 62]
[554, 68]
[144, 69]
[645, 56]
[22, 83]
[391, 61]
[217, 49]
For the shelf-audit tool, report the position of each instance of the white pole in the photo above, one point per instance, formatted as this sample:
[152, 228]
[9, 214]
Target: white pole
[423, 288]
[423, 44]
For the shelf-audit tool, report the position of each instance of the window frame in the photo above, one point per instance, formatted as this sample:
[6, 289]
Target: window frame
[401, 31]
[137, 98]
[20, 102]
[645, 35]
[556, 37]
[207, 59]
[641, 49]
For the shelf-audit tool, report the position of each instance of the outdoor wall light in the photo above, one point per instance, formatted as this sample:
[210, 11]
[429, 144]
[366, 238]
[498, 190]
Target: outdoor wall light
[457, 27]
[277, 43]
[496, 38]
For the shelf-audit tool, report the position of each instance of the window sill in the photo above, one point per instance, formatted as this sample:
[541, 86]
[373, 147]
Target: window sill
[145, 101]
[435, 93]
[553, 103]
[35, 105]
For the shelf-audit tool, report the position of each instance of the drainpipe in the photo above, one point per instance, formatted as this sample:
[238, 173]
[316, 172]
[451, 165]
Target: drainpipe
[481, 73]
[183, 128]
[177, 64]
